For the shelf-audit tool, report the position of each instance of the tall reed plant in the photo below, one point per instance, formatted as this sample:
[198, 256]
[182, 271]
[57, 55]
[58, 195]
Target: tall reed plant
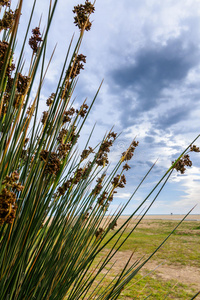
[53, 199]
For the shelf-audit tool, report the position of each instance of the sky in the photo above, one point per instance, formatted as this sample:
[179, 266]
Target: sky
[148, 53]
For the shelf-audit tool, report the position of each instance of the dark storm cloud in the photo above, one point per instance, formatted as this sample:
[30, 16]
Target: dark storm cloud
[156, 68]
[152, 70]
[172, 116]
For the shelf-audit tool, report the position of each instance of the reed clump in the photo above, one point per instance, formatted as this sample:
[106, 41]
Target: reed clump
[53, 199]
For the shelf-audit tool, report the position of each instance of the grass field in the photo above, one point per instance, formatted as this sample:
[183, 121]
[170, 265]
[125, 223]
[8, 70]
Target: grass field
[174, 271]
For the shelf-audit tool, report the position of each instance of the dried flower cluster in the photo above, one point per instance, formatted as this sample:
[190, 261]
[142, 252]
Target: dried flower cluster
[3, 52]
[126, 167]
[52, 162]
[8, 198]
[80, 174]
[194, 148]
[185, 160]
[99, 233]
[112, 225]
[102, 198]
[110, 197]
[129, 153]
[11, 181]
[105, 199]
[83, 11]
[35, 39]
[102, 157]
[83, 110]
[45, 115]
[62, 135]
[99, 186]
[8, 20]
[119, 181]
[86, 153]
[21, 82]
[63, 149]
[182, 164]
[62, 189]
[4, 2]
[76, 66]
[71, 135]
[50, 99]
[68, 115]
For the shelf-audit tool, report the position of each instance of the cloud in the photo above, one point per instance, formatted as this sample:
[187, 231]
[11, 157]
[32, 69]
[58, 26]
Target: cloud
[125, 196]
[149, 139]
[152, 70]
[172, 116]
[157, 66]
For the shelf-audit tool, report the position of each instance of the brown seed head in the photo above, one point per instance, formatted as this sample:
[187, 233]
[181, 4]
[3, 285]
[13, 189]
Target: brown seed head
[4, 2]
[99, 233]
[76, 66]
[86, 153]
[119, 181]
[53, 164]
[22, 83]
[68, 114]
[102, 198]
[126, 167]
[63, 149]
[61, 136]
[10, 67]
[129, 153]
[8, 20]
[8, 206]
[50, 99]
[102, 159]
[112, 225]
[194, 148]
[184, 161]
[44, 154]
[83, 110]
[66, 185]
[8, 198]
[99, 186]
[35, 39]
[82, 15]
[44, 117]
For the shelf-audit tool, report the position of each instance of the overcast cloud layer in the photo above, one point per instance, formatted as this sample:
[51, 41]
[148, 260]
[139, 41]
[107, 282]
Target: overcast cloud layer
[148, 53]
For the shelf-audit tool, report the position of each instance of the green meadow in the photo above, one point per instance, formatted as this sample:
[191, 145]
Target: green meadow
[173, 273]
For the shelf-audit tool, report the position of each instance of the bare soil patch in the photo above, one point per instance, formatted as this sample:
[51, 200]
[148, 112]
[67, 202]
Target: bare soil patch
[183, 274]
[186, 274]
[147, 220]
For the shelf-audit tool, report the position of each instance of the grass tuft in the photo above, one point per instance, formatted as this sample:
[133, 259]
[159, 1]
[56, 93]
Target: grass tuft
[54, 198]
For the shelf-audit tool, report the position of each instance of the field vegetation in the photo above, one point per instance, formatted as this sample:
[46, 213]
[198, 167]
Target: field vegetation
[174, 271]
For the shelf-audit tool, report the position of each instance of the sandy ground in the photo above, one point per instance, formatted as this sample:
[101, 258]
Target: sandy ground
[122, 219]
[184, 274]
[167, 217]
